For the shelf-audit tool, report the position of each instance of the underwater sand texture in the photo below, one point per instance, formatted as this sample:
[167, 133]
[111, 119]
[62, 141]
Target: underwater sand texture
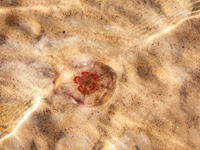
[148, 51]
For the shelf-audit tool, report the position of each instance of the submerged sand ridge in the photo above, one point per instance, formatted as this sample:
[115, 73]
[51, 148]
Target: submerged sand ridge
[151, 48]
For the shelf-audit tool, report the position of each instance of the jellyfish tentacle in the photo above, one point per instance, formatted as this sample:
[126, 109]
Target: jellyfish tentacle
[94, 76]
[93, 86]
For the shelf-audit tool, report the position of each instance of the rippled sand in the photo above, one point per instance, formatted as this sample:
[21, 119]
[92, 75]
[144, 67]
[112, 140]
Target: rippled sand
[152, 48]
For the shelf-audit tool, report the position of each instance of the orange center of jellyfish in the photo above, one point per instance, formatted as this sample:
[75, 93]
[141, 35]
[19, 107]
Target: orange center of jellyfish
[86, 82]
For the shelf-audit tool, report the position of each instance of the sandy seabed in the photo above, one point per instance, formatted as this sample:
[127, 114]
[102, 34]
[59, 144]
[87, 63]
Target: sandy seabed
[150, 93]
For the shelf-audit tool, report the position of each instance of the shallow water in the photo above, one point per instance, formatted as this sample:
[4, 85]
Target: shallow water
[150, 93]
